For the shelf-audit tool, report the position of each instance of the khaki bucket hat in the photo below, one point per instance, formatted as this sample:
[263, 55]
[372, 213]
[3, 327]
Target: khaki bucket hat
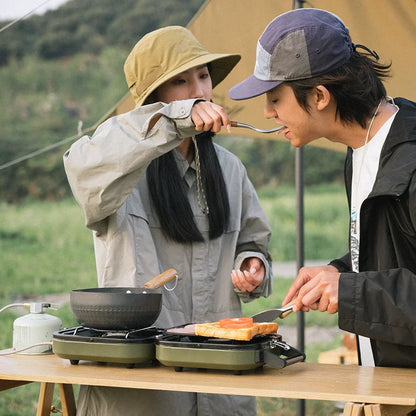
[164, 53]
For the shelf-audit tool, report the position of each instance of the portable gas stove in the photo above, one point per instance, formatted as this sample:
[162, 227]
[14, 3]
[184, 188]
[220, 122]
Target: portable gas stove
[182, 351]
[128, 347]
[178, 350]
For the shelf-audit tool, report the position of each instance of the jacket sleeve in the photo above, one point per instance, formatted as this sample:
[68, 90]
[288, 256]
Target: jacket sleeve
[379, 305]
[103, 169]
[343, 264]
[253, 240]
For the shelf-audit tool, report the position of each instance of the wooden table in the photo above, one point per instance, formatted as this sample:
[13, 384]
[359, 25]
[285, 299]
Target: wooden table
[346, 383]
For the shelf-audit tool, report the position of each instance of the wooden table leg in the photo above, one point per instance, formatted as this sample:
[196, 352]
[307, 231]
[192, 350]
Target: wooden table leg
[387, 410]
[45, 399]
[372, 410]
[353, 409]
[66, 393]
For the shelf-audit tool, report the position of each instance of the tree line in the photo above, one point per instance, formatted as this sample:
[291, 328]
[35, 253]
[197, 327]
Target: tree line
[91, 25]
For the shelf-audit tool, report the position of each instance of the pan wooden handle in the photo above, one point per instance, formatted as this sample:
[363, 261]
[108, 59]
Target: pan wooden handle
[162, 279]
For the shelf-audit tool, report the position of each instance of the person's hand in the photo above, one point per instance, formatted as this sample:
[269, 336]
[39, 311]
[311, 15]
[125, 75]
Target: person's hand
[250, 275]
[314, 288]
[208, 116]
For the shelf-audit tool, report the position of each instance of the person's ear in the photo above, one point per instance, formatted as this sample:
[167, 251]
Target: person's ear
[322, 97]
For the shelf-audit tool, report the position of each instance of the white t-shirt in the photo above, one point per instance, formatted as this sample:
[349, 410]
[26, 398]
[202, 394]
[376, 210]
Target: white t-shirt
[365, 166]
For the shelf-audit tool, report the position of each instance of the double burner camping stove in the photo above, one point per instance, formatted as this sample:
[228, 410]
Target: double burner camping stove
[128, 347]
[178, 350]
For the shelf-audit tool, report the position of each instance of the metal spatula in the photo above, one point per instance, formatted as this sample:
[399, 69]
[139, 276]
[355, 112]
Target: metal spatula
[272, 314]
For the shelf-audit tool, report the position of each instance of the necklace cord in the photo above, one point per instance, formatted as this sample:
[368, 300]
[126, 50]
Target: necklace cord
[202, 200]
[355, 188]
[372, 121]
[366, 141]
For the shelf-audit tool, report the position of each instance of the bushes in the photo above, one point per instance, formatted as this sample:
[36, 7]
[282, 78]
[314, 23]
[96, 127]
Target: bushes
[42, 105]
[326, 230]
[56, 45]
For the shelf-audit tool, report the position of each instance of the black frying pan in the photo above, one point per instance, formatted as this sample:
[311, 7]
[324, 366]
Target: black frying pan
[120, 307]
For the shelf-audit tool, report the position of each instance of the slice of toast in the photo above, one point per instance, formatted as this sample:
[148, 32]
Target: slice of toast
[213, 329]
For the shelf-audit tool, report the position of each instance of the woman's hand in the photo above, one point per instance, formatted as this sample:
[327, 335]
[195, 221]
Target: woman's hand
[208, 116]
[315, 288]
[250, 275]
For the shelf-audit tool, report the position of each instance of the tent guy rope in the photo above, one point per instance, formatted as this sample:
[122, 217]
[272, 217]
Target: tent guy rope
[24, 16]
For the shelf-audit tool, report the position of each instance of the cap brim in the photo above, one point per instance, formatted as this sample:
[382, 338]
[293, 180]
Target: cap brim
[251, 87]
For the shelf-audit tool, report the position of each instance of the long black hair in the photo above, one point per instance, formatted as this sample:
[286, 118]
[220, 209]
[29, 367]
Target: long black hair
[168, 193]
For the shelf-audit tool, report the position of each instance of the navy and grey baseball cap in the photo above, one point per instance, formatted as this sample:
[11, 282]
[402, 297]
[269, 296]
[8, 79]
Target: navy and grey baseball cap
[299, 44]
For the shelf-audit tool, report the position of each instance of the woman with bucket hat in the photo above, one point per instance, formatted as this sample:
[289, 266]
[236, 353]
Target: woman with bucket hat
[318, 83]
[158, 193]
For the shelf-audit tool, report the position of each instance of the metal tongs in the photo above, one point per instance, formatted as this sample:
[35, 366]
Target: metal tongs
[249, 126]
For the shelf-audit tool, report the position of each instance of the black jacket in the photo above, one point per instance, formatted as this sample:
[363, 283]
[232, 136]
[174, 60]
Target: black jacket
[380, 301]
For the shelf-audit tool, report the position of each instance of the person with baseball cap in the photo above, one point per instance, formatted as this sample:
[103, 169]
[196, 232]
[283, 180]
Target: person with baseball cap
[318, 83]
[158, 193]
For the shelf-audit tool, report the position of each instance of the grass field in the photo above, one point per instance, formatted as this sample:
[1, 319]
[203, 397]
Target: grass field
[45, 250]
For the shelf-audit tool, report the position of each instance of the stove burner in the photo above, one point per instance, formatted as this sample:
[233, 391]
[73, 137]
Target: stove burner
[142, 334]
[129, 347]
[118, 335]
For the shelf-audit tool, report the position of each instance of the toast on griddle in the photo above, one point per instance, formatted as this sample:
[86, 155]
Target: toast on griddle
[214, 329]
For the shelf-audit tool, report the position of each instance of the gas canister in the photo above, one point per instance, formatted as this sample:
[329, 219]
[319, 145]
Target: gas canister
[33, 333]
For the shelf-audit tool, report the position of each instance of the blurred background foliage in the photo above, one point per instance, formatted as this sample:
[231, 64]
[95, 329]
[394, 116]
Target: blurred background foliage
[88, 27]
[65, 68]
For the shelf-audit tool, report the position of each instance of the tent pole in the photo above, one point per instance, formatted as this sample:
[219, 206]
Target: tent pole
[300, 316]
[300, 248]
[300, 251]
